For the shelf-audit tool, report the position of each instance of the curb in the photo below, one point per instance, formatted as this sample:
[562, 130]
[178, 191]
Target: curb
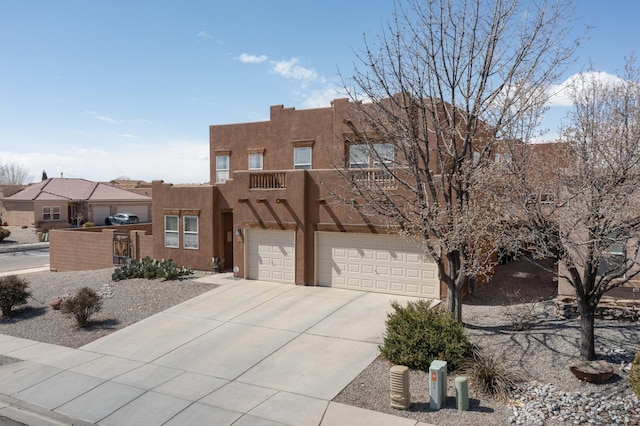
[23, 247]
[23, 413]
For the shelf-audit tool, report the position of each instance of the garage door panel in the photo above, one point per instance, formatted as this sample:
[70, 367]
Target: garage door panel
[383, 263]
[271, 255]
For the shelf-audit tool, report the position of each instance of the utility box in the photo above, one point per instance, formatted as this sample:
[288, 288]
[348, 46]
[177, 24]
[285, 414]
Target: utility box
[437, 384]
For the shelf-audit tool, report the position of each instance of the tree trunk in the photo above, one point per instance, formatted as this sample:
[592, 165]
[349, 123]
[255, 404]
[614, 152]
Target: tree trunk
[454, 302]
[587, 340]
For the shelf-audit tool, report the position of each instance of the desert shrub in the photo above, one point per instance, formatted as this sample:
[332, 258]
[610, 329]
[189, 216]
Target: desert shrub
[88, 225]
[13, 291]
[634, 375]
[417, 334]
[488, 374]
[519, 311]
[82, 305]
[150, 268]
[4, 233]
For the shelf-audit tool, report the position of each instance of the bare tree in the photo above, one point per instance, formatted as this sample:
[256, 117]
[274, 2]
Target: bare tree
[579, 203]
[14, 174]
[431, 97]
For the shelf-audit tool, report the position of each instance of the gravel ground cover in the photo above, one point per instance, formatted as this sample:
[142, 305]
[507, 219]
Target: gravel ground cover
[549, 396]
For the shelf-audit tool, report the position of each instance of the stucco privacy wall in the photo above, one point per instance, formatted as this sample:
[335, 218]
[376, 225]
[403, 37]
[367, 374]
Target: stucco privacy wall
[625, 292]
[92, 248]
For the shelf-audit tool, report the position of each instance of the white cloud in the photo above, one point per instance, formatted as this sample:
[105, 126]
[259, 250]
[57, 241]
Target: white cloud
[174, 162]
[101, 117]
[290, 69]
[246, 58]
[560, 93]
[204, 34]
[322, 97]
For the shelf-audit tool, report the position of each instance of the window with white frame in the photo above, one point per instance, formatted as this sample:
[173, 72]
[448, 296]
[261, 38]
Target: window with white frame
[190, 236]
[222, 168]
[51, 213]
[302, 158]
[255, 161]
[362, 156]
[171, 231]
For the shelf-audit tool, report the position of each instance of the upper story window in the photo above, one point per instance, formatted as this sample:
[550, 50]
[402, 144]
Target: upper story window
[222, 168]
[171, 231]
[51, 213]
[190, 236]
[255, 161]
[302, 158]
[363, 156]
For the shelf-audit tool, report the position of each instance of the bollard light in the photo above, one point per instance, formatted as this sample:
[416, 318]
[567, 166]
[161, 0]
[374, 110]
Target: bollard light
[399, 387]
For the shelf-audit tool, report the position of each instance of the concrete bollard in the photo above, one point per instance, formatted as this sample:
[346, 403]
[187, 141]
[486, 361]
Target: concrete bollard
[462, 393]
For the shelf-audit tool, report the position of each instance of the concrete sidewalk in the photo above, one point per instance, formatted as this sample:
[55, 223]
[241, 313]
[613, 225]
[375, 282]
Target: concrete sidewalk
[245, 353]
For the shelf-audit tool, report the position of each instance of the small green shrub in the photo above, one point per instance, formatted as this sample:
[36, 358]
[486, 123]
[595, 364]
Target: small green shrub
[4, 233]
[82, 305]
[634, 375]
[13, 291]
[88, 225]
[151, 269]
[488, 374]
[417, 334]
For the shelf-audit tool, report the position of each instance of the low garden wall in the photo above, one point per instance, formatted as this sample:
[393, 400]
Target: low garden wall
[81, 249]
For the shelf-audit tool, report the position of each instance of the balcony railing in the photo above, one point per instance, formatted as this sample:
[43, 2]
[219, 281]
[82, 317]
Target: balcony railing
[276, 180]
[373, 178]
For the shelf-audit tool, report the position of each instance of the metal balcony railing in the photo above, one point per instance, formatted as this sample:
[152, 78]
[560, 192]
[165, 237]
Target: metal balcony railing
[274, 180]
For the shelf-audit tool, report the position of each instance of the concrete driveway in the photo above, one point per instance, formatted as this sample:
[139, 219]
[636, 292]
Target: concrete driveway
[245, 353]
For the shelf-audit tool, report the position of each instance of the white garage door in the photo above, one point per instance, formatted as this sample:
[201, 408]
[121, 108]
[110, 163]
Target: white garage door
[142, 211]
[381, 263]
[100, 213]
[271, 255]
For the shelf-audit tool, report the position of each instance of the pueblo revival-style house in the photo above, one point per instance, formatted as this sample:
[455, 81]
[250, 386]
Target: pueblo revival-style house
[268, 215]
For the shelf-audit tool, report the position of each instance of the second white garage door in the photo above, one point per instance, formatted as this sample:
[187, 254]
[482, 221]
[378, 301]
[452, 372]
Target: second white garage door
[381, 263]
[271, 255]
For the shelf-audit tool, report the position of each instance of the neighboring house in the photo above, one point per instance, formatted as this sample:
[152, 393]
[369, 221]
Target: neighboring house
[268, 212]
[62, 202]
[6, 191]
[138, 186]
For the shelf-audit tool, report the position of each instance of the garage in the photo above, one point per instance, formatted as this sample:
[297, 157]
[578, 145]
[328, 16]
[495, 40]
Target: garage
[379, 263]
[142, 211]
[271, 255]
[100, 213]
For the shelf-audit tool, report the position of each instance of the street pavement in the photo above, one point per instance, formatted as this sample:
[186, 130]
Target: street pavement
[245, 353]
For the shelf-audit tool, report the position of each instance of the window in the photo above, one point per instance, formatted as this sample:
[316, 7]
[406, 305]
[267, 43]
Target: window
[612, 259]
[503, 158]
[51, 213]
[222, 168]
[302, 158]
[358, 157]
[361, 156]
[255, 162]
[190, 232]
[171, 232]
[476, 158]
[384, 154]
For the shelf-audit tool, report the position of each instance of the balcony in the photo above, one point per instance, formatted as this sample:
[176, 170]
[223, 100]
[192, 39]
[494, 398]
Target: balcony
[268, 180]
[373, 178]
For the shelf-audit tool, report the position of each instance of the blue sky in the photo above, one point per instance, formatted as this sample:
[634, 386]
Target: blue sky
[100, 89]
